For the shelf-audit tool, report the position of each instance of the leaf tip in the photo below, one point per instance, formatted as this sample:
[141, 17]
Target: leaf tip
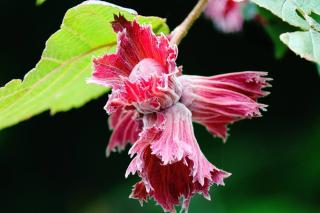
[284, 38]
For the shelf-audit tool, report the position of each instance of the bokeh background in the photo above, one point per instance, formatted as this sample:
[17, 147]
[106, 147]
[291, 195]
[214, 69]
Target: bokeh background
[58, 164]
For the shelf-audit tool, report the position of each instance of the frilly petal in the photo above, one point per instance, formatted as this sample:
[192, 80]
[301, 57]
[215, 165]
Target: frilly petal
[169, 161]
[125, 128]
[135, 43]
[171, 185]
[139, 192]
[220, 100]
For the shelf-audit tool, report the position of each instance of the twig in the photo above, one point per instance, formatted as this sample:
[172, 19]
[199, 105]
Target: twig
[181, 31]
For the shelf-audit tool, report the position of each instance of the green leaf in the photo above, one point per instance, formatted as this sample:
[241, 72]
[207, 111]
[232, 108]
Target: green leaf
[304, 14]
[290, 10]
[305, 44]
[318, 68]
[57, 83]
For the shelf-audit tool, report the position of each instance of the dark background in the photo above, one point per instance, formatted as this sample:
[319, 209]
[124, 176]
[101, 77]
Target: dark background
[58, 164]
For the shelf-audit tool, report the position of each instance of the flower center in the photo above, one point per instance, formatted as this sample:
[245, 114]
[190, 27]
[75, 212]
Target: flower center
[145, 69]
[150, 88]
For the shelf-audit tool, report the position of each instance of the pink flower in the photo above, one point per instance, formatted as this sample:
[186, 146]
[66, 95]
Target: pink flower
[152, 106]
[226, 14]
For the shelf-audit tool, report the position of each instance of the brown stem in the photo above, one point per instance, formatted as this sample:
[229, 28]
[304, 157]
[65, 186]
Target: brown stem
[181, 31]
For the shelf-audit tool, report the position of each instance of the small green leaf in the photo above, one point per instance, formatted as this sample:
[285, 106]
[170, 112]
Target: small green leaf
[305, 44]
[57, 83]
[318, 67]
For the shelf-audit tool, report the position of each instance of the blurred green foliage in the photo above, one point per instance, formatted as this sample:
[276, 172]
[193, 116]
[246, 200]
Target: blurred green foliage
[274, 28]
[40, 2]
